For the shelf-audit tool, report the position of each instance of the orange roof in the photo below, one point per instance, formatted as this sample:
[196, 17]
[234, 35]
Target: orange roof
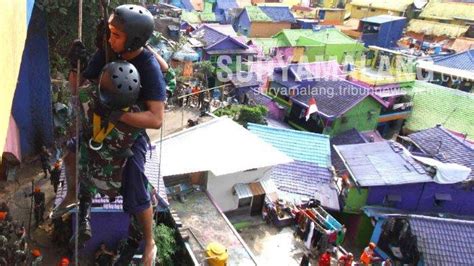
[462, 44]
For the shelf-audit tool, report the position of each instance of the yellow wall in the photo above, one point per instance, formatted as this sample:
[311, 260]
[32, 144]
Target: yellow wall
[12, 36]
[364, 12]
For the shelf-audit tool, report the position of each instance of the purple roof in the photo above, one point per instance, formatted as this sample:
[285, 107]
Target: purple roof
[226, 4]
[208, 35]
[258, 97]
[248, 79]
[441, 144]
[279, 13]
[333, 98]
[307, 180]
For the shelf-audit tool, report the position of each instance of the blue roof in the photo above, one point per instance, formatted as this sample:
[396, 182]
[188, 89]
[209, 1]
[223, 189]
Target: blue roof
[351, 136]
[299, 145]
[382, 19]
[463, 61]
[279, 13]
[226, 4]
[208, 34]
[306, 180]
[187, 5]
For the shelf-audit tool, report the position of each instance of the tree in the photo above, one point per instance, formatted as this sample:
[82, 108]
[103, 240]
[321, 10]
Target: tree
[204, 69]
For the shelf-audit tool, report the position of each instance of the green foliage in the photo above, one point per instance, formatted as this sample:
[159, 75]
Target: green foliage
[166, 243]
[252, 114]
[244, 114]
[62, 20]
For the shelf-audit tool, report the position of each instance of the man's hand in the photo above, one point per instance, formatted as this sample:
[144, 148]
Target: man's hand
[149, 254]
[77, 51]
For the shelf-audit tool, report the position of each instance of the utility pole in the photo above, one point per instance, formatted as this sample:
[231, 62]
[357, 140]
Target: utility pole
[31, 208]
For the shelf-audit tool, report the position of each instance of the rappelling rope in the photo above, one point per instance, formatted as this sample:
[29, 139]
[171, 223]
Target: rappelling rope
[77, 107]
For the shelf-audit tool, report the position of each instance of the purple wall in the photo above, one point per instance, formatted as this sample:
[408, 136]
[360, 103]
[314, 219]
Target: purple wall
[421, 198]
[108, 227]
[409, 193]
[284, 52]
[243, 23]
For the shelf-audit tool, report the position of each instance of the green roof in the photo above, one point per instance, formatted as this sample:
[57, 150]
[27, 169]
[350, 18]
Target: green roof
[329, 36]
[448, 11]
[265, 43]
[256, 14]
[208, 17]
[207, 7]
[190, 17]
[434, 104]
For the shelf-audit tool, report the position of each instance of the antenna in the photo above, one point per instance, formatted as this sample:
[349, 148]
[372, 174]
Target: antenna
[449, 116]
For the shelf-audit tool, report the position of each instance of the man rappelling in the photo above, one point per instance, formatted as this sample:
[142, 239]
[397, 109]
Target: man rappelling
[113, 143]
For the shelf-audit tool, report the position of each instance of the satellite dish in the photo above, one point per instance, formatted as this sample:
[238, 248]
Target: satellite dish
[419, 4]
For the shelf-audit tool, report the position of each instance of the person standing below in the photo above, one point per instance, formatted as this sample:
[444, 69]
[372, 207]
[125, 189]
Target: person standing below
[56, 174]
[38, 205]
[45, 157]
[368, 254]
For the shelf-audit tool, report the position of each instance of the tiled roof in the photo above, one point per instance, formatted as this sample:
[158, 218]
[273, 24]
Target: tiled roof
[326, 36]
[433, 105]
[463, 61]
[306, 180]
[444, 146]
[226, 4]
[302, 146]
[462, 44]
[331, 96]
[223, 28]
[278, 13]
[258, 97]
[447, 11]
[208, 34]
[381, 164]
[313, 71]
[351, 136]
[443, 241]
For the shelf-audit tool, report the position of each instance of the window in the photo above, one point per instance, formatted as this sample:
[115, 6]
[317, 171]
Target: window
[244, 202]
[440, 199]
[391, 200]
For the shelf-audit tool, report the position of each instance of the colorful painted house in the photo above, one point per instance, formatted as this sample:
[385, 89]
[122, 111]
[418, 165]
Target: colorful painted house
[319, 45]
[446, 146]
[455, 71]
[276, 112]
[382, 31]
[222, 9]
[360, 9]
[412, 239]
[386, 174]
[434, 104]
[330, 16]
[26, 84]
[219, 40]
[309, 175]
[338, 110]
[263, 21]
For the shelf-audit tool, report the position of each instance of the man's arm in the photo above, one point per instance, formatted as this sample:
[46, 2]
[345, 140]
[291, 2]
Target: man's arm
[152, 118]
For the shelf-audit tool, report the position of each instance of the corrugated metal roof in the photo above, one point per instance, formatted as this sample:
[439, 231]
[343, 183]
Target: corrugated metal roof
[462, 61]
[256, 189]
[221, 146]
[299, 145]
[279, 13]
[243, 191]
[399, 6]
[448, 11]
[433, 28]
[382, 164]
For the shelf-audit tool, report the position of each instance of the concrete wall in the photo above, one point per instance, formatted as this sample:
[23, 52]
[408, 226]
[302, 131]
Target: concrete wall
[221, 187]
[267, 29]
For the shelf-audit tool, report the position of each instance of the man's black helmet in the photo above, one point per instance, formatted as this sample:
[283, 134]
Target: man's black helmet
[137, 22]
[119, 85]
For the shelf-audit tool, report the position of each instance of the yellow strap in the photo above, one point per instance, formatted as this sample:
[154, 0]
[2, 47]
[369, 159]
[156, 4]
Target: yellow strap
[100, 133]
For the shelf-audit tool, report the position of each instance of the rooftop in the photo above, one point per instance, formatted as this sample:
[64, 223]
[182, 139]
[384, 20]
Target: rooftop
[398, 6]
[434, 28]
[256, 14]
[448, 11]
[324, 36]
[382, 19]
[203, 148]
[381, 164]
[226, 4]
[214, 228]
[244, 79]
[444, 146]
[462, 61]
[351, 136]
[299, 145]
[278, 13]
[434, 104]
